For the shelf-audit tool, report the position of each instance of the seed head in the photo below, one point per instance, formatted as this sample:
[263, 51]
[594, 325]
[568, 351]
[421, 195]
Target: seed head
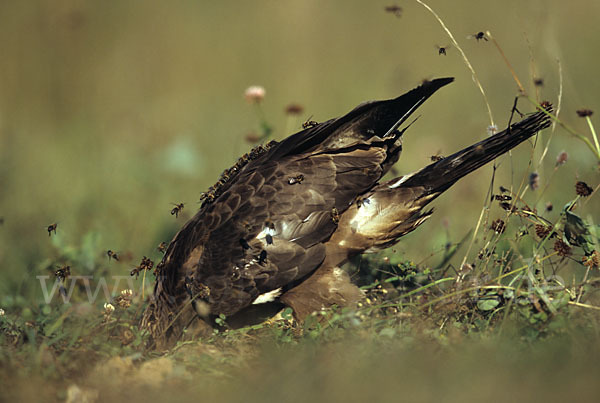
[508, 207]
[542, 231]
[294, 109]
[562, 158]
[498, 226]
[252, 138]
[582, 189]
[562, 248]
[582, 113]
[592, 261]
[534, 180]
[123, 302]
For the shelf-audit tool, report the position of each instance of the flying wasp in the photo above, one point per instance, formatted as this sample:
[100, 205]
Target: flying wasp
[209, 195]
[309, 123]
[361, 201]
[244, 244]
[135, 271]
[437, 157]
[478, 36]
[394, 9]
[145, 264]
[162, 247]
[177, 209]
[442, 49]
[63, 272]
[262, 258]
[112, 255]
[52, 228]
[335, 215]
[61, 275]
[295, 179]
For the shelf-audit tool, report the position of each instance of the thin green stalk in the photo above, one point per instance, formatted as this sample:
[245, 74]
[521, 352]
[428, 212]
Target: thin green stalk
[510, 68]
[479, 287]
[558, 107]
[567, 128]
[589, 121]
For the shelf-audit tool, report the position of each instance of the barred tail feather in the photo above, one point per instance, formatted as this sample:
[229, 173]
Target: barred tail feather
[440, 175]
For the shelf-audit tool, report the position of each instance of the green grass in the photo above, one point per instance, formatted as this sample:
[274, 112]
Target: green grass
[110, 113]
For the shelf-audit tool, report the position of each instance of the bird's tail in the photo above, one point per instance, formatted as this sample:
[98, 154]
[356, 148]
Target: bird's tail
[439, 176]
[395, 208]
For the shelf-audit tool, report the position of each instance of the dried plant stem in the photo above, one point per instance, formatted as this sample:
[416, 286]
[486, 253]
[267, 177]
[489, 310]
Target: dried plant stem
[143, 284]
[584, 305]
[483, 210]
[466, 60]
[548, 182]
[558, 106]
[560, 92]
[583, 282]
[512, 71]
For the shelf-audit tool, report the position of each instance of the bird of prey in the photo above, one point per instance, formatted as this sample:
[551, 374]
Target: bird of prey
[281, 222]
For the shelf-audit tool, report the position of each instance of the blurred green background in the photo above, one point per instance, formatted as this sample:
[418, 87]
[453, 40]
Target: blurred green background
[111, 111]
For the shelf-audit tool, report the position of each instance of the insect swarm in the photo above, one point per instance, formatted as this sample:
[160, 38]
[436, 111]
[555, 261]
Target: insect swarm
[162, 247]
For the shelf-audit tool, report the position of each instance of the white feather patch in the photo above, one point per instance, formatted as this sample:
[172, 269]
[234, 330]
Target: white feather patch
[365, 213]
[265, 231]
[267, 297]
[400, 181]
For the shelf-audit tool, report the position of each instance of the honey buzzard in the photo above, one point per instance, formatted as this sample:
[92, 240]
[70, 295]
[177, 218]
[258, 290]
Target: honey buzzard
[281, 221]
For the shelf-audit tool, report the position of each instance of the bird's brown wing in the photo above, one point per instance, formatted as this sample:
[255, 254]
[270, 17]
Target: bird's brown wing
[267, 230]
[367, 120]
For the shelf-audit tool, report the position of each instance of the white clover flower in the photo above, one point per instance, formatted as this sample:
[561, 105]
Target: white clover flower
[108, 308]
[128, 293]
[2, 312]
[254, 93]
